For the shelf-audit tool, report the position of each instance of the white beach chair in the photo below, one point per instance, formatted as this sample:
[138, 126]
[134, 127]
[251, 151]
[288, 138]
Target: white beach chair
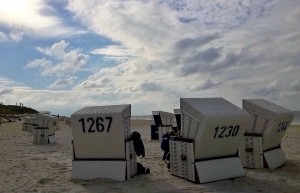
[33, 122]
[40, 135]
[261, 145]
[101, 143]
[163, 121]
[26, 123]
[211, 132]
[50, 122]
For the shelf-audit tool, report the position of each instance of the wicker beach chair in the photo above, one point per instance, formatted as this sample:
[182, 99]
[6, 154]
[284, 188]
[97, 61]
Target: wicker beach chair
[102, 147]
[261, 145]
[164, 122]
[211, 132]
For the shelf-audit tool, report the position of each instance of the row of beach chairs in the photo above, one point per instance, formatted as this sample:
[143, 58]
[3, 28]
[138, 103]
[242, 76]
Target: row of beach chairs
[42, 126]
[216, 133]
[216, 141]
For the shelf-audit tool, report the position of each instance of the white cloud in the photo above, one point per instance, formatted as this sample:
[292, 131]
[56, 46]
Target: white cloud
[62, 83]
[33, 17]
[5, 91]
[208, 84]
[115, 53]
[63, 61]
[5, 86]
[191, 47]
[14, 36]
[3, 37]
[171, 49]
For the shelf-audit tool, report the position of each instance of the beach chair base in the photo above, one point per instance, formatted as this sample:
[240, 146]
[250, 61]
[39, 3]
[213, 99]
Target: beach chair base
[253, 156]
[87, 170]
[115, 169]
[219, 169]
[51, 139]
[184, 165]
[274, 158]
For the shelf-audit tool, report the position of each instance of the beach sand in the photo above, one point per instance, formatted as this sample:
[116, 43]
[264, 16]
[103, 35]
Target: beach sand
[27, 167]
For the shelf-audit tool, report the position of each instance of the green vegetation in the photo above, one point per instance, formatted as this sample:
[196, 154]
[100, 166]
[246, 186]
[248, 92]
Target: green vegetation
[13, 109]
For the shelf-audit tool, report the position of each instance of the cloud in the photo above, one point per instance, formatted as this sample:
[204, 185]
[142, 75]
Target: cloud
[62, 62]
[148, 86]
[13, 36]
[3, 37]
[96, 83]
[268, 92]
[61, 83]
[220, 14]
[5, 86]
[33, 18]
[295, 85]
[208, 84]
[194, 43]
[5, 91]
[190, 46]
[199, 61]
[232, 49]
[114, 53]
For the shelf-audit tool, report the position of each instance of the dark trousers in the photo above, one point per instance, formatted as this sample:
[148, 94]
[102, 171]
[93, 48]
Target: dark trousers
[166, 155]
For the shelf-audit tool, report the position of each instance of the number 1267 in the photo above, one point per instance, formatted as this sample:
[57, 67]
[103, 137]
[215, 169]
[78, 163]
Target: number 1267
[98, 122]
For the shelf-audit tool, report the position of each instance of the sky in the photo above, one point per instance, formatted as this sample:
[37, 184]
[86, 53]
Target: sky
[63, 55]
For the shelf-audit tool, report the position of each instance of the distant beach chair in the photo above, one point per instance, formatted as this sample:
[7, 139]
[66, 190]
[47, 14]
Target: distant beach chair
[26, 123]
[164, 122]
[102, 147]
[260, 147]
[33, 122]
[45, 131]
[211, 132]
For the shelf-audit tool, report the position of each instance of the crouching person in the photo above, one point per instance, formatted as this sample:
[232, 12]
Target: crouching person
[140, 151]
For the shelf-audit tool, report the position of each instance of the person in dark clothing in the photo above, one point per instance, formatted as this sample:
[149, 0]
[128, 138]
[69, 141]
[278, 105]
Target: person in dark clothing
[166, 147]
[140, 151]
[138, 143]
[141, 169]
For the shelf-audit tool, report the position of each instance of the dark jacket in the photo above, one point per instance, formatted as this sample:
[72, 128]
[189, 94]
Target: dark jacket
[138, 143]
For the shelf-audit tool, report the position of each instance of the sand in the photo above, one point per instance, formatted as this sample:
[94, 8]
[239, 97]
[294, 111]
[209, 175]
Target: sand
[27, 167]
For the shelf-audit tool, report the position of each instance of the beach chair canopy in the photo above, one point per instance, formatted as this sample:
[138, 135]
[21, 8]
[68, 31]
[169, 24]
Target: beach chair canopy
[99, 132]
[216, 126]
[268, 120]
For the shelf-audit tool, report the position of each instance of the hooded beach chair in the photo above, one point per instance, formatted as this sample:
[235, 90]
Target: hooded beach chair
[211, 132]
[163, 122]
[261, 145]
[26, 123]
[44, 132]
[102, 147]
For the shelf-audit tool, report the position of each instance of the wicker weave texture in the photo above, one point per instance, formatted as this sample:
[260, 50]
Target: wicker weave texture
[101, 131]
[130, 159]
[269, 120]
[182, 159]
[40, 135]
[251, 152]
[216, 125]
